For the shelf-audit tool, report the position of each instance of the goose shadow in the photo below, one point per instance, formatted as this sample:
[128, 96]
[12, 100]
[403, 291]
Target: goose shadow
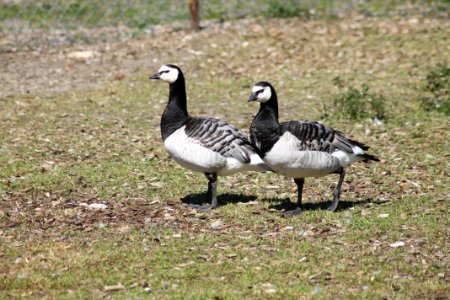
[222, 199]
[288, 204]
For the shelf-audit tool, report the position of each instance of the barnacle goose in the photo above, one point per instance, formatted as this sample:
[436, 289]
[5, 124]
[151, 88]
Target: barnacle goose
[300, 149]
[205, 145]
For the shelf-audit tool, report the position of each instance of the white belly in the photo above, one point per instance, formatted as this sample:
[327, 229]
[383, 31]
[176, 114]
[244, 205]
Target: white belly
[285, 158]
[191, 155]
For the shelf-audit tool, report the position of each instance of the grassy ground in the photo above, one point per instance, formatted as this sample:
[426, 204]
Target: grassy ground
[31, 25]
[140, 13]
[60, 151]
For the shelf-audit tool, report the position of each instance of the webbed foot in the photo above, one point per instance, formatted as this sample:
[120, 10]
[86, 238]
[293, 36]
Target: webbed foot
[206, 207]
[333, 206]
[292, 213]
[195, 206]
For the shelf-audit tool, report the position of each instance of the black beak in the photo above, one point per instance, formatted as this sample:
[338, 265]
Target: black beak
[253, 97]
[155, 76]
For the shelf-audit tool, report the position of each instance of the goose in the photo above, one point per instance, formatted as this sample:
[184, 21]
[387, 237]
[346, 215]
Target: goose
[202, 144]
[300, 149]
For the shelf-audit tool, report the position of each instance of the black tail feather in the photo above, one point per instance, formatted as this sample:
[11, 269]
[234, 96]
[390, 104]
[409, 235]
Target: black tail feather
[359, 144]
[368, 157]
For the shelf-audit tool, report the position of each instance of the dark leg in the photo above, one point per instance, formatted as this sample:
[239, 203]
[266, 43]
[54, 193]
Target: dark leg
[337, 191]
[298, 210]
[211, 193]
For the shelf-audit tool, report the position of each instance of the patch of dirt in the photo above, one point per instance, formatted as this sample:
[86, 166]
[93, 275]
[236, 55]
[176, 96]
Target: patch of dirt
[52, 211]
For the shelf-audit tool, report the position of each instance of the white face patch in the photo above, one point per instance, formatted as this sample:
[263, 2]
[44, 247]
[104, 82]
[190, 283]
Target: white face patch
[168, 74]
[264, 93]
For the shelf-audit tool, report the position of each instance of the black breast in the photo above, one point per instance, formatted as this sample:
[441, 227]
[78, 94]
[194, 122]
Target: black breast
[264, 133]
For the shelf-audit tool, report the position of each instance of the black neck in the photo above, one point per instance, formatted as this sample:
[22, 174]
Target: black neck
[270, 107]
[175, 114]
[265, 129]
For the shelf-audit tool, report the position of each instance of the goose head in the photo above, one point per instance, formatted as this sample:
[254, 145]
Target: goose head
[168, 73]
[261, 92]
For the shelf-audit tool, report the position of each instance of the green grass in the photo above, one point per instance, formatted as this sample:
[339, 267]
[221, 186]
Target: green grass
[438, 88]
[253, 261]
[31, 25]
[58, 151]
[356, 104]
[136, 14]
[140, 14]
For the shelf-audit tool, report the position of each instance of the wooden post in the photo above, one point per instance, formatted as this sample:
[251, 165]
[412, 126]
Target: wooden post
[195, 18]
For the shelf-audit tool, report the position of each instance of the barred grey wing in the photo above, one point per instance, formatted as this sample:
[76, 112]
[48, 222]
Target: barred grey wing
[220, 137]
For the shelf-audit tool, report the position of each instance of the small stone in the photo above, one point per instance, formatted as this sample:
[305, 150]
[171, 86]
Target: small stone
[117, 287]
[81, 55]
[377, 122]
[303, 233]
[303, 259]
[317, 289]
[397, 244]
[216, 224]
[269, 288]
[365, 212]
[97, 206]
[47, 166]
